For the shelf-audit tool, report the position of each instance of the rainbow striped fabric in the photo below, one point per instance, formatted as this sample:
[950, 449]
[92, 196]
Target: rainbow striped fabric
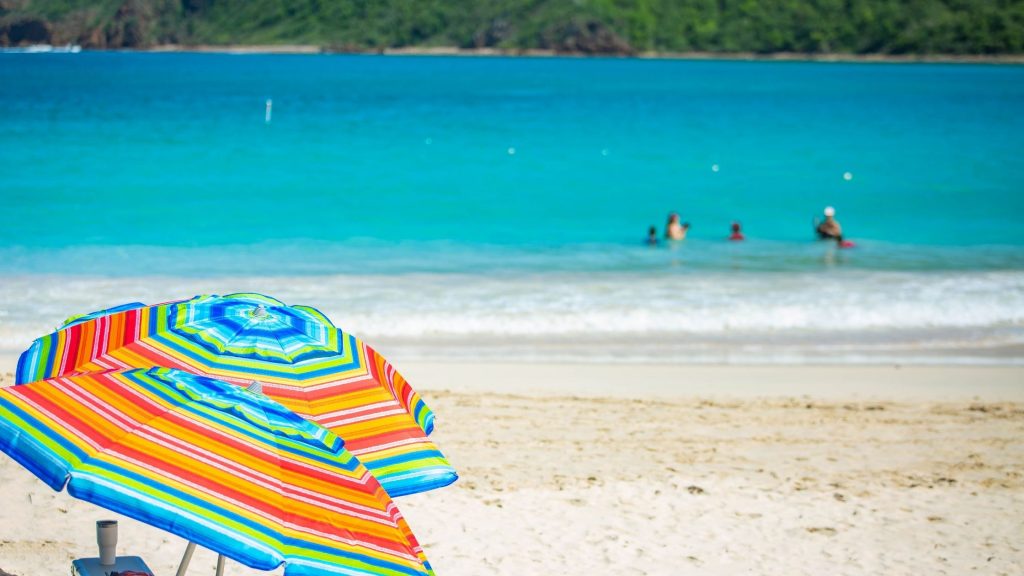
[298, 356]
[79, 318]
[230, 470]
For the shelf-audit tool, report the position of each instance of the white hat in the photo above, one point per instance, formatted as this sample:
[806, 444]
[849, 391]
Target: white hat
[830, 211]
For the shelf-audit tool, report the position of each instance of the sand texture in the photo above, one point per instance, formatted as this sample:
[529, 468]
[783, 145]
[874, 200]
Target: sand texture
[681, 484]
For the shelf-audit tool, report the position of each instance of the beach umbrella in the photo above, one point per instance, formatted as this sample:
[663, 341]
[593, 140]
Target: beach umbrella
[228, 469]
[79, 318]
[297, 355]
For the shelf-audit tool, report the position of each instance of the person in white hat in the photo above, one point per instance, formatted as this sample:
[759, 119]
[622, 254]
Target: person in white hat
[829, 228]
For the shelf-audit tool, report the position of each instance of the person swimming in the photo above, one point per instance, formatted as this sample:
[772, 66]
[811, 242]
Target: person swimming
[737, 233]
[829, 228]
[674, 230]
[652, 236]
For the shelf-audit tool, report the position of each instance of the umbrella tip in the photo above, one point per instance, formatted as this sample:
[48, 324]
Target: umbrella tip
[255, 386]
[260, 312]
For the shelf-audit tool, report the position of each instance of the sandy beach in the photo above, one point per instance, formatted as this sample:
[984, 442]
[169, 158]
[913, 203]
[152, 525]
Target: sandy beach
[591, 469]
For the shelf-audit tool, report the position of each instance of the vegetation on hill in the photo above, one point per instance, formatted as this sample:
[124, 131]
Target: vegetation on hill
[571, 26]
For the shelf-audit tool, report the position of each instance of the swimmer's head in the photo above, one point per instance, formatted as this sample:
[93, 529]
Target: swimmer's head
[673, 217]
[735, 226]
[830, 211]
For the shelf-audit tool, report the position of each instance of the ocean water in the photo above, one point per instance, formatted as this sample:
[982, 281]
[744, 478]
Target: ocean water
[495, 207]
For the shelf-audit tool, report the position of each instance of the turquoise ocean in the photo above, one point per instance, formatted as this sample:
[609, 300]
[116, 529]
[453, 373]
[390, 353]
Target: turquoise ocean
[495, 208]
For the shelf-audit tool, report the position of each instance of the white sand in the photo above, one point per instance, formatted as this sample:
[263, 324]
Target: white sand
[673, 470]
[668, 381]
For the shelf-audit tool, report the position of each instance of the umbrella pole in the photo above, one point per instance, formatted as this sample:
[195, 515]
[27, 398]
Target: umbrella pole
[186, 558]
[220, 565]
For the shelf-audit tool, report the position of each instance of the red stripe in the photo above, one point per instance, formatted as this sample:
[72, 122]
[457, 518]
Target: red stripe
[372, 442]
[299, 393]
[132, 322]
[71, 350]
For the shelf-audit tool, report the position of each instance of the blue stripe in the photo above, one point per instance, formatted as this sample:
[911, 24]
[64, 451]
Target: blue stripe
[27, 362]
[405, 486]
[168, 340]
[428, 425]
[311, 547]
[171, 341]
[222, 326]
[399, 459]
[30, 452]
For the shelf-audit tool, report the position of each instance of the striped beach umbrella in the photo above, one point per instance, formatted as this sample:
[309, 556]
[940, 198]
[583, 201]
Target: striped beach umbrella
[79, 318]
[228, 469]
[297, 355]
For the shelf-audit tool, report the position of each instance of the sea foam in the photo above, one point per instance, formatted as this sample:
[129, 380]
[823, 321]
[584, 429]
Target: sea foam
[586, 315]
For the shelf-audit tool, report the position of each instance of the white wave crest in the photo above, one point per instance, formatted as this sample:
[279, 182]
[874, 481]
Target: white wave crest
[719, 309]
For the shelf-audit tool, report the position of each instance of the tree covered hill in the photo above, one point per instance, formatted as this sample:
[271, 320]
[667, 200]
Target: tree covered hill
[569, 26]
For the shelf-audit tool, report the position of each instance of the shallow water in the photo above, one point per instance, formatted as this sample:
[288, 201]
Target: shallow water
[497, 206]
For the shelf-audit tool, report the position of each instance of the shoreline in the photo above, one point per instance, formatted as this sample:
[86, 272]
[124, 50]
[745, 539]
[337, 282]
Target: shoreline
[904, 383]
[673, 382]
[307, 49]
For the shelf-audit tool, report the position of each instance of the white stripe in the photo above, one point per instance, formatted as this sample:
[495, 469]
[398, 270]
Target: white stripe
[375, 406]
[330, 423]
[395, 444]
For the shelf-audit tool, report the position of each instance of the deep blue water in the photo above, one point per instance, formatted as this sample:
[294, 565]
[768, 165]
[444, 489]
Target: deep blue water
[539, 171]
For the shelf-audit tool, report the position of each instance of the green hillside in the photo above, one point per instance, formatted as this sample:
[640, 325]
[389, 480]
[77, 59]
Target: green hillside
[572, 26]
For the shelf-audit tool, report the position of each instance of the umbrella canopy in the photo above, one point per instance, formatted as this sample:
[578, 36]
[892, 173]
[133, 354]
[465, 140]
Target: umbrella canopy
[220, 466]
[299, 357]
[79, 318]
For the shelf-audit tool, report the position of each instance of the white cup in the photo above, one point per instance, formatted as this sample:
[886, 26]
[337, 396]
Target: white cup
[106, 539]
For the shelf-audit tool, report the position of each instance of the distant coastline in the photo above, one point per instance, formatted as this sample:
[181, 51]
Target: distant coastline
[536, 53]
[307, 49]
[922, 31]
